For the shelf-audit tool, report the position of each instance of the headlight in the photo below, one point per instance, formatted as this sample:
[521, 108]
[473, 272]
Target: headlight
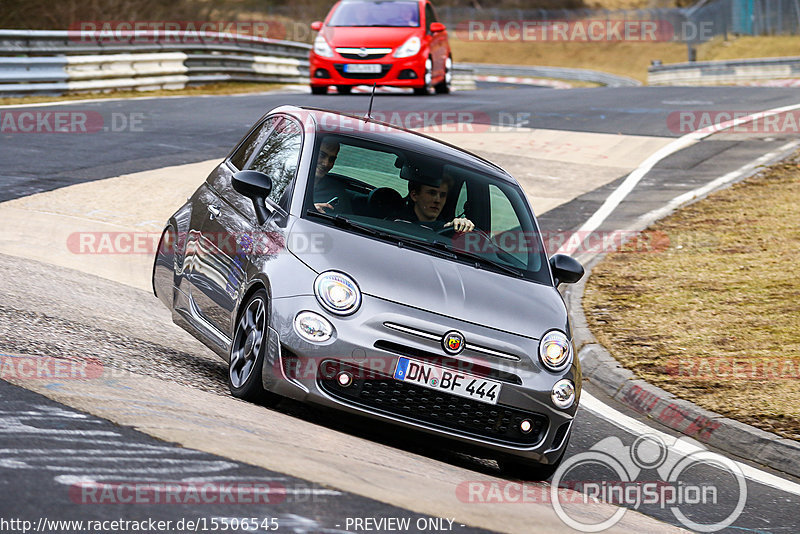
[555, 350]
[337, 293]
[321, 47]
[313, 327]
[409, 48]
[563, 394]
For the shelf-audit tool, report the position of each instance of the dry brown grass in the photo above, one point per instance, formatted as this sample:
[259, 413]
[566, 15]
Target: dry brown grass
[623, 58]
[715, 317]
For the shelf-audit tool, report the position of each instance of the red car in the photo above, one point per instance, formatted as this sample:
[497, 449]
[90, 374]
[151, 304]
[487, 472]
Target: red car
[397, 43]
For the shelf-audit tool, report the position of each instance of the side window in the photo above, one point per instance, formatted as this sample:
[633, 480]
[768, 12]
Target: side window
[503, 216]
[253, 141]
[279, 156]
[461, 203]
[430, 17]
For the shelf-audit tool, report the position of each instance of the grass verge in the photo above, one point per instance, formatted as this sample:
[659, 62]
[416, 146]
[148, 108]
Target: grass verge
[714, 315]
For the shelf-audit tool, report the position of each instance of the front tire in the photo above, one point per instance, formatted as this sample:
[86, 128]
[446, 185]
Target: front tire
[344, 89]
[247, 351]
[443, 87]
[319, 90]
[425, 89]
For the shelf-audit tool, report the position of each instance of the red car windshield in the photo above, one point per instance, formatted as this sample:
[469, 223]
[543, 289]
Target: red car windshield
[393, 14]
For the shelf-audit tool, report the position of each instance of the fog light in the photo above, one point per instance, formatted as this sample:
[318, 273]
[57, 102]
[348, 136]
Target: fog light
[526, 426]
[563, 394]
[344, 378]
[313, 327]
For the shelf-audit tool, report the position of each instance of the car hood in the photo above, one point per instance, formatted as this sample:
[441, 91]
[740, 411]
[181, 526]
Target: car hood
[356, 37]
[411, 278]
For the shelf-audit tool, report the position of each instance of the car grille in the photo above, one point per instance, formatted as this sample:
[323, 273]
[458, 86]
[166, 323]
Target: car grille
[385, 68]
[367, 57]
[381, 393]
[363, 54]
[437, 337]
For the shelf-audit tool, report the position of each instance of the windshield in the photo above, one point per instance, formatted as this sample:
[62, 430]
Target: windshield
[429, 203]
[396, 14]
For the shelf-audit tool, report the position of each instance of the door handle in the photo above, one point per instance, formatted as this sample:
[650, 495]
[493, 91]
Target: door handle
[214, 211]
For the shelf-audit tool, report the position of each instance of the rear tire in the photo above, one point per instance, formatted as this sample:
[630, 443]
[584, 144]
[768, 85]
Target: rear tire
[319, 90]
[248, 347]
[344, 89]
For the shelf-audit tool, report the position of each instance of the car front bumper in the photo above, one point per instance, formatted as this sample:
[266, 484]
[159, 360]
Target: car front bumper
[405, 72]
[365, 347]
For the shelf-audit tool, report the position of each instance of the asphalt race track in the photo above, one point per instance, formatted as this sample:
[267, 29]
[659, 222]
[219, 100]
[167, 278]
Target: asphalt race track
[63, 440]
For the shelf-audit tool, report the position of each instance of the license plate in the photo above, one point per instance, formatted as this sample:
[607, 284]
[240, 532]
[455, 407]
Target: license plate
[362, 68]
[447, 380]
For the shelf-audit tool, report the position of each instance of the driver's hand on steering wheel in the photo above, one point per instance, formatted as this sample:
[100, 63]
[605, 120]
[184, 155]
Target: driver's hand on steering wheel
[461, 224]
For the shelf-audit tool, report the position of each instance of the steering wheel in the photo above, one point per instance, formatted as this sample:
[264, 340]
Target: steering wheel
[449, 230]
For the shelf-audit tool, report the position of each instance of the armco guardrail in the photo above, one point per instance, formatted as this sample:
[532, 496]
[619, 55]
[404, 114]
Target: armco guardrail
[57, 62]
[724, 72]
[68, 61]
[561, 73]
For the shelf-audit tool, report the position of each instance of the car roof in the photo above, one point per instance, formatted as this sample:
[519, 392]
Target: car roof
[393, 135]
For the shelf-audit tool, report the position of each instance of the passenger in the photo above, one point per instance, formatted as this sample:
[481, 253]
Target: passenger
[426, 204]
[330, 194]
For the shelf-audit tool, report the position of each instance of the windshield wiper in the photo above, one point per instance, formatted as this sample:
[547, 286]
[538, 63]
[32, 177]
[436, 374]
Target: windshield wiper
[344, 222]
[478, 259]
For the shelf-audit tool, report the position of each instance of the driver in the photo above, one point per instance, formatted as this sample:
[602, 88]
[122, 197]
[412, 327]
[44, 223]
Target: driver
[426, 204]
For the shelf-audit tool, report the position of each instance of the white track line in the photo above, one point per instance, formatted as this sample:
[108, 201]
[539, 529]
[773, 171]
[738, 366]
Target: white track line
[625, 188]
[605, 411]
[629, 424]
[694, 194]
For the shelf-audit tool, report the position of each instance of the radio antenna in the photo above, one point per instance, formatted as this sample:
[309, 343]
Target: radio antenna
[368, 116]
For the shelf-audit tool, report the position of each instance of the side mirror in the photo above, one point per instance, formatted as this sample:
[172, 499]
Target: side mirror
[256, 186]
[437, 27]
[566, 270]
[316, 25]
